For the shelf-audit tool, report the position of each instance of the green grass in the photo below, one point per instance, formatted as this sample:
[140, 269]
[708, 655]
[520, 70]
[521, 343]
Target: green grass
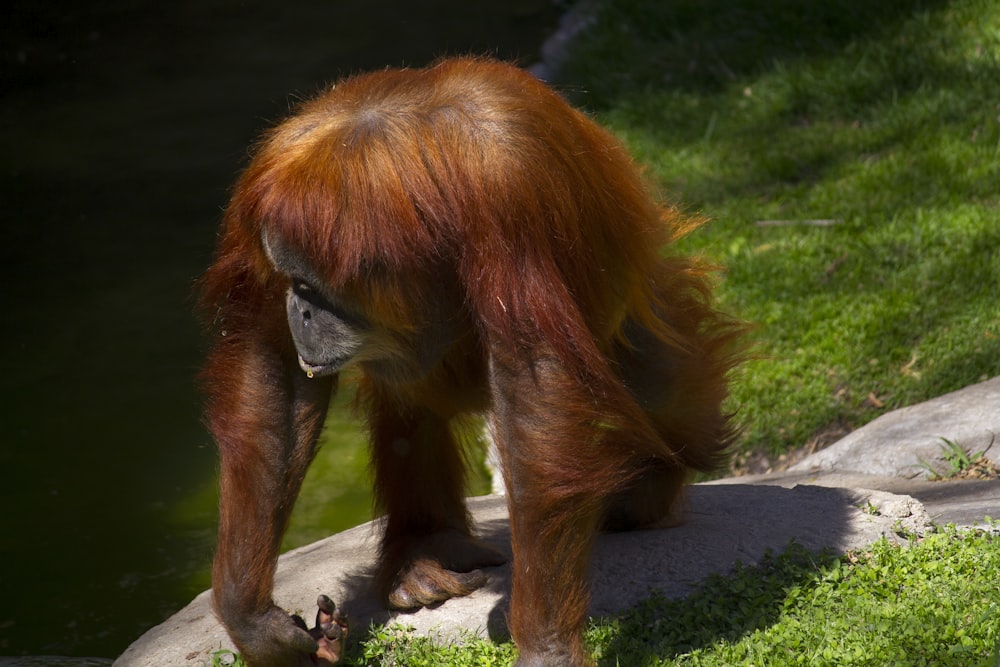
[929, 603]
[884, 117]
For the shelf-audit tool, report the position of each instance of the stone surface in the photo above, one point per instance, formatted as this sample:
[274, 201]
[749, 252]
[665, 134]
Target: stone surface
[962, 503]
[898, 443]
[720, 525]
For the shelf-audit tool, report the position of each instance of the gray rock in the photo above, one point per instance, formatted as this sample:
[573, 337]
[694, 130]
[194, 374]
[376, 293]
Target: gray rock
[898, 443]
[962, 503]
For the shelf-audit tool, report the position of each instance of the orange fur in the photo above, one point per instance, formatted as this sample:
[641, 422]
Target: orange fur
[467, 202]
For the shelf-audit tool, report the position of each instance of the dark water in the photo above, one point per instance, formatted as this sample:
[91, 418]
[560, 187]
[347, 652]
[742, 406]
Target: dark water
[122, 124]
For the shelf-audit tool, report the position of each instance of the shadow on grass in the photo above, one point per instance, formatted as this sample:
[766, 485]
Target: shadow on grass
[723, 608]
[704, 45]
[781, 95]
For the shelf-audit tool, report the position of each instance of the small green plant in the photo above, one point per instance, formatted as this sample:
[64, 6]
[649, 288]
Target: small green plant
[226, 658]
[958, 459]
